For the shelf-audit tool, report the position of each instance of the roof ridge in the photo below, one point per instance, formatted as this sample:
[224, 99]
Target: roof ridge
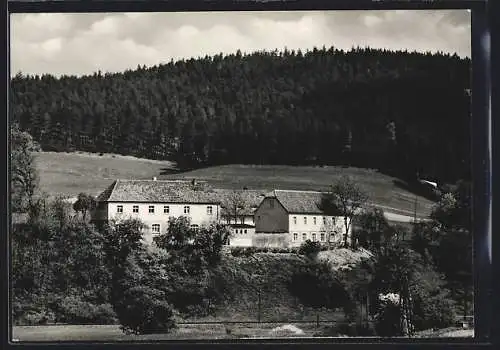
[164, 180]
[301, 191]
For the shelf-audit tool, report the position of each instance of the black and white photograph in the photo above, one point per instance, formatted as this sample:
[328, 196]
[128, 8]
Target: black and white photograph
[240, 175]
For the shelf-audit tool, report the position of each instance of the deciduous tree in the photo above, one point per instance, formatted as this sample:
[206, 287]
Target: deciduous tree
[345, 199]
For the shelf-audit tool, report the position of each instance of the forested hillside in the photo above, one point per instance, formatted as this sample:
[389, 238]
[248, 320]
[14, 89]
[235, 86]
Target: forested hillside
[400, 112]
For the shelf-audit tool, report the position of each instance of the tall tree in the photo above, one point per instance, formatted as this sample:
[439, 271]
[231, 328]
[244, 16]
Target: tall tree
[345, 198]
[24, 176]
[84, 204]
[232, 207]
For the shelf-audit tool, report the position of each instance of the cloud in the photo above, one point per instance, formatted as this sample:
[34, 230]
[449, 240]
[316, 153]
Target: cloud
[76, 44]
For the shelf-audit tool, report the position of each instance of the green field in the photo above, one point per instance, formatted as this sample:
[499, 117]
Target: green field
[68, 174]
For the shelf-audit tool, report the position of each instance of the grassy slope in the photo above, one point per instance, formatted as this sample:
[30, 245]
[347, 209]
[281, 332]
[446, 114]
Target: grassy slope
[380, 187]
[70, 173]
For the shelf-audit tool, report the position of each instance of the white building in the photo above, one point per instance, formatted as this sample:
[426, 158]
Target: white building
[298, 216]
[154, 202]
[280, 218]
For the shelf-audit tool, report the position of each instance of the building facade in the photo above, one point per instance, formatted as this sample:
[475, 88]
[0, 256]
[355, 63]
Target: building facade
[278, 218]
[154, 202]
[298, 216]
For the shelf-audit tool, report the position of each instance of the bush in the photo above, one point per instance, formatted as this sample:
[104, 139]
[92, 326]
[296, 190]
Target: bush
[433, 312]
[74, 310]
[236, 251]
[387, 322]
[309, 248]
[144, 310]
[316, 285]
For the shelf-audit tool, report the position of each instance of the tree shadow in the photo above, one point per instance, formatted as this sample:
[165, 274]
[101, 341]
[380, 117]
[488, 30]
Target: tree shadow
[418, 189]
[170, 171]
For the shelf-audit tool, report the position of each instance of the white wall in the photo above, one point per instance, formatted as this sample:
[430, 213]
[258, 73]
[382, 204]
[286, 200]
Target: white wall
[197, 213]
[332, 227]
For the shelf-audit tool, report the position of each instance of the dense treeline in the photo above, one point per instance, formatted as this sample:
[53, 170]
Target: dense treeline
[397, 111]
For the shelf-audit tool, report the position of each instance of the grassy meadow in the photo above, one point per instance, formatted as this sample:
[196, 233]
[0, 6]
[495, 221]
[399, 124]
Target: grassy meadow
[68, 174]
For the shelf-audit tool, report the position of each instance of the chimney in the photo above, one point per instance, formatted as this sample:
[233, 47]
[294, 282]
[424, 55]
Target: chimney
[154, 178]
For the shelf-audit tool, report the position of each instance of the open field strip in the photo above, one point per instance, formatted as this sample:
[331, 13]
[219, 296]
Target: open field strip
[68, 174]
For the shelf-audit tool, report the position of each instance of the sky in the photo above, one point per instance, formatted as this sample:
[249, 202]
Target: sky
[79, 44]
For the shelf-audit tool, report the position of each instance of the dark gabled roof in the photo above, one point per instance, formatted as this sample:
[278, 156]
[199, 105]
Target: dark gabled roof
[299, 202]
[104, 195]
[174, 191]
[158, 191]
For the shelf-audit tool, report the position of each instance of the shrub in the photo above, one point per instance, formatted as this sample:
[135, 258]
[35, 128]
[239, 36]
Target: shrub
[315, 285]
[387, 321]
[74, 310]
[144, 310]
[37, 317]
[236, 251]
[309, 248]
[433, 312]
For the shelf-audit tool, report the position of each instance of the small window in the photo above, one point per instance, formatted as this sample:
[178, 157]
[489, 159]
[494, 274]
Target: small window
[228, 220]
[258, 217]
[245, 231]
[322, 237]
[119, 208]
[155, 228]
[324, 220]
[194, 226]
[135, 209]
[166, 209]
[295, 220]
[186, 209]
[304, 236]
[209, 210]
[295, 236]
[151, 209]
[314, 237]
[242, 221]
[305, 220]
[314, 220]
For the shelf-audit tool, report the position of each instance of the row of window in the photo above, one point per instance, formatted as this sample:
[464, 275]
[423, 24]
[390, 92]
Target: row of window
[315, 222]
[313, 237]
[242, 220]
[156, 228]
[166, 209]
[241, 230]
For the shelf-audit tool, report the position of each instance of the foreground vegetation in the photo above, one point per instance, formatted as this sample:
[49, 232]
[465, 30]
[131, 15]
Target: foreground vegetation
[68, 270]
